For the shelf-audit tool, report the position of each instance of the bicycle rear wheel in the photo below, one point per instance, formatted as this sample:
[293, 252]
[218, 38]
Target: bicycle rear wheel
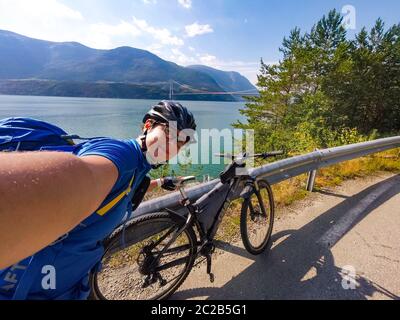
[257, 219]
[131, 269]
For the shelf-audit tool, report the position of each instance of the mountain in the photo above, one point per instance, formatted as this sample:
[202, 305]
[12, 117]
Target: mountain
[229, 81]
[38, 67]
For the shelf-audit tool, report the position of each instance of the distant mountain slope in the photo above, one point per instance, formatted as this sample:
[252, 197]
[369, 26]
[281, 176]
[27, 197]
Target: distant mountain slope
[229, 81]
[98, 90]
[24, 58]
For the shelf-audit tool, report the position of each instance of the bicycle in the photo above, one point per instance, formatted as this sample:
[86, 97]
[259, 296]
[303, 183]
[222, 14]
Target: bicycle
[151, 257]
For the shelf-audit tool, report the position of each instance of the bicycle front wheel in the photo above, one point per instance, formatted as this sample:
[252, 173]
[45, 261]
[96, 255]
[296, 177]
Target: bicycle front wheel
[257, 219]
[146, 261]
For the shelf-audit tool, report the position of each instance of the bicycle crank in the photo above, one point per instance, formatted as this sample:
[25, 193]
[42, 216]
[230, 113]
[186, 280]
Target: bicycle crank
[207, 252]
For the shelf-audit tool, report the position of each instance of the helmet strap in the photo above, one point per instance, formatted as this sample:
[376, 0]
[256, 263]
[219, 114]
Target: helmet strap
[143, 138]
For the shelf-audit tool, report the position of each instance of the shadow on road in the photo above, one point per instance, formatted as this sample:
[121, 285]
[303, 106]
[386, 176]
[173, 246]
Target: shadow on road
[329, 193]
[284, 272]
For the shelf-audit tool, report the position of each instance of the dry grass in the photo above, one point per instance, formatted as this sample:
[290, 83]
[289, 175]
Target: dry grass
[388, 161]
[290, 191]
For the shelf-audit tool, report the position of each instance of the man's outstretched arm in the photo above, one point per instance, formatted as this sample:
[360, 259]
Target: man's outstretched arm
[44, 195]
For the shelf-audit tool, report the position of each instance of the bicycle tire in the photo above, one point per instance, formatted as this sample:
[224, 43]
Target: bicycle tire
[257, 250]
[134, 227]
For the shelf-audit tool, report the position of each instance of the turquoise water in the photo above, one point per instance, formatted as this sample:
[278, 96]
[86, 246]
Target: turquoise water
[120, 119]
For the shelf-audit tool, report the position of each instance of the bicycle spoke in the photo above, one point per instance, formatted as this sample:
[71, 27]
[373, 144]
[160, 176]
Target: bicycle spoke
[261, 204]
[173, 250]
[171, 264]
[163, 237]
[150, 268]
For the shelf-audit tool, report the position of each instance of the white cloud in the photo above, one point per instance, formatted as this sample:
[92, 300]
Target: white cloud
[161, 34]
[48, 19]
[196, 29]
[155, 48]
[208, 59]
[149, 1]
[106, 35]
[247, 69]
[181, 58]
[54, 21]
[185, 3]
[42, 8]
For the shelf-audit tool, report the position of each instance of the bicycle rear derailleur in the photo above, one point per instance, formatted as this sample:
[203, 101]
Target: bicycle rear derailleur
[207, 251]
[147, 264]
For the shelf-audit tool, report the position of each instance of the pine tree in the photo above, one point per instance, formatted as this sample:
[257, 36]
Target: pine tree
[326, 84]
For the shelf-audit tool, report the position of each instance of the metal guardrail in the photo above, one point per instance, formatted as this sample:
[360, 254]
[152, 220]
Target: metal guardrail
[281, 170]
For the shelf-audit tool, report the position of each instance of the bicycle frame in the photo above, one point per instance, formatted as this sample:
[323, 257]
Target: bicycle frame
[207, 212]
[211, 206]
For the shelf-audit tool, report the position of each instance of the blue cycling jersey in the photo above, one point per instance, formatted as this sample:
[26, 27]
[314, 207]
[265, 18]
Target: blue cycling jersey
[77, 253]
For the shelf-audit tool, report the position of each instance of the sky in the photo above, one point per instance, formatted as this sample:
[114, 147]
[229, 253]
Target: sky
[231, 35]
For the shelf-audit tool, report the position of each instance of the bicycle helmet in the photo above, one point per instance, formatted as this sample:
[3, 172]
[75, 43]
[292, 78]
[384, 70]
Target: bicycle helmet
[167, 111]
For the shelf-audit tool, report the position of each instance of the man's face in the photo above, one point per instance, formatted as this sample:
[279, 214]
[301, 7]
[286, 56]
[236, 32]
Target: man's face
[162, 144]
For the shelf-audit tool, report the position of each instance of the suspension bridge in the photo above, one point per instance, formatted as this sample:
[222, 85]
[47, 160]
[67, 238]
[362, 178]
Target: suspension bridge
[191, 91]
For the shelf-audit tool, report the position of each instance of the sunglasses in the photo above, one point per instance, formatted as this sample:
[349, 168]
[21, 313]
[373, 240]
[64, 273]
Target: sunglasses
[181, 143]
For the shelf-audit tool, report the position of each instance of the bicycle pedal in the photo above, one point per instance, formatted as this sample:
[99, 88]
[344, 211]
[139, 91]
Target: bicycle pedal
[209, 267]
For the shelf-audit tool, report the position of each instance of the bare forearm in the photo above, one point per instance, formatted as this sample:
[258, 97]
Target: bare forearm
[43, 195]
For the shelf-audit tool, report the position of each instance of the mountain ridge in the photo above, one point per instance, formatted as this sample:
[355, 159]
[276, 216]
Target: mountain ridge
[25, 58]
[230, 81]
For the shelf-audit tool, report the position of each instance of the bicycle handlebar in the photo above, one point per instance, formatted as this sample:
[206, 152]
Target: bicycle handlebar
[269, 154]
[245, 156]
[182, 180]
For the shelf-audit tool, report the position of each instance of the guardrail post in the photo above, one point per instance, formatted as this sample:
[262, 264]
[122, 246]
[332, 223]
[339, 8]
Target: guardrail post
[311, 180]
[312, 175]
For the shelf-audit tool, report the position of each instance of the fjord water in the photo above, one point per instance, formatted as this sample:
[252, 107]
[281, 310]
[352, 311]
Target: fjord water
[116, 118]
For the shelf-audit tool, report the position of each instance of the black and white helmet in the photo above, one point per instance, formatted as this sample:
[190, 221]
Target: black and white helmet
[167, 111]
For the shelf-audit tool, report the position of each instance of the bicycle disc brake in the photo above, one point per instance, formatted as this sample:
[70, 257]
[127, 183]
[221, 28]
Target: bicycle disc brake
[256, 214]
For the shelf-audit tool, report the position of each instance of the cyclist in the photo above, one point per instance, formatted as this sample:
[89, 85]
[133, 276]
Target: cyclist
[45, 195]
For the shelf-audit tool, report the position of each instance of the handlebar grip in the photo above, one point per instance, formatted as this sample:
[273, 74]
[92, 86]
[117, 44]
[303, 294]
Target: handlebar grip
[182, 180]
